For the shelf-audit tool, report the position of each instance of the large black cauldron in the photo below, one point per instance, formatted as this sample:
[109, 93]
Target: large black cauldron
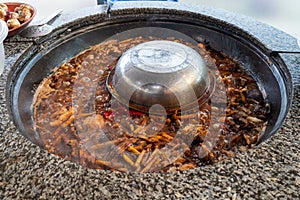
[223, 35]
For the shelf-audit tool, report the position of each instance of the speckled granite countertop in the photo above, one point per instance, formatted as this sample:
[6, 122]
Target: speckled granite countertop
[270, 170]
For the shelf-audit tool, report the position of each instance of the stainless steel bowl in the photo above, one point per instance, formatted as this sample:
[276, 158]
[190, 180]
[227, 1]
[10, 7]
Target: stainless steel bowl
[167, 73]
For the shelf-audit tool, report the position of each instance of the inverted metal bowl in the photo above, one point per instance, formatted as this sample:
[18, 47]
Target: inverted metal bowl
[167, 73]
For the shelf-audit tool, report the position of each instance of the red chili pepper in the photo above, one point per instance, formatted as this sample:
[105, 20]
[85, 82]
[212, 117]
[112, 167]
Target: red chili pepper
[136, 113]
[131, 112]
[108, 114]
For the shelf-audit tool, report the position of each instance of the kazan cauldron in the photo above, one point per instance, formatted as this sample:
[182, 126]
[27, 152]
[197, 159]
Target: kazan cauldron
[202, 24]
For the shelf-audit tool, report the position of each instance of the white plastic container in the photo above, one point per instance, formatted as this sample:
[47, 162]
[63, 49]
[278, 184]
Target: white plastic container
[3, 34]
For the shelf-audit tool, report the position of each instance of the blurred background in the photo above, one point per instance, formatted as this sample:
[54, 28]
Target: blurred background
[284, 15]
